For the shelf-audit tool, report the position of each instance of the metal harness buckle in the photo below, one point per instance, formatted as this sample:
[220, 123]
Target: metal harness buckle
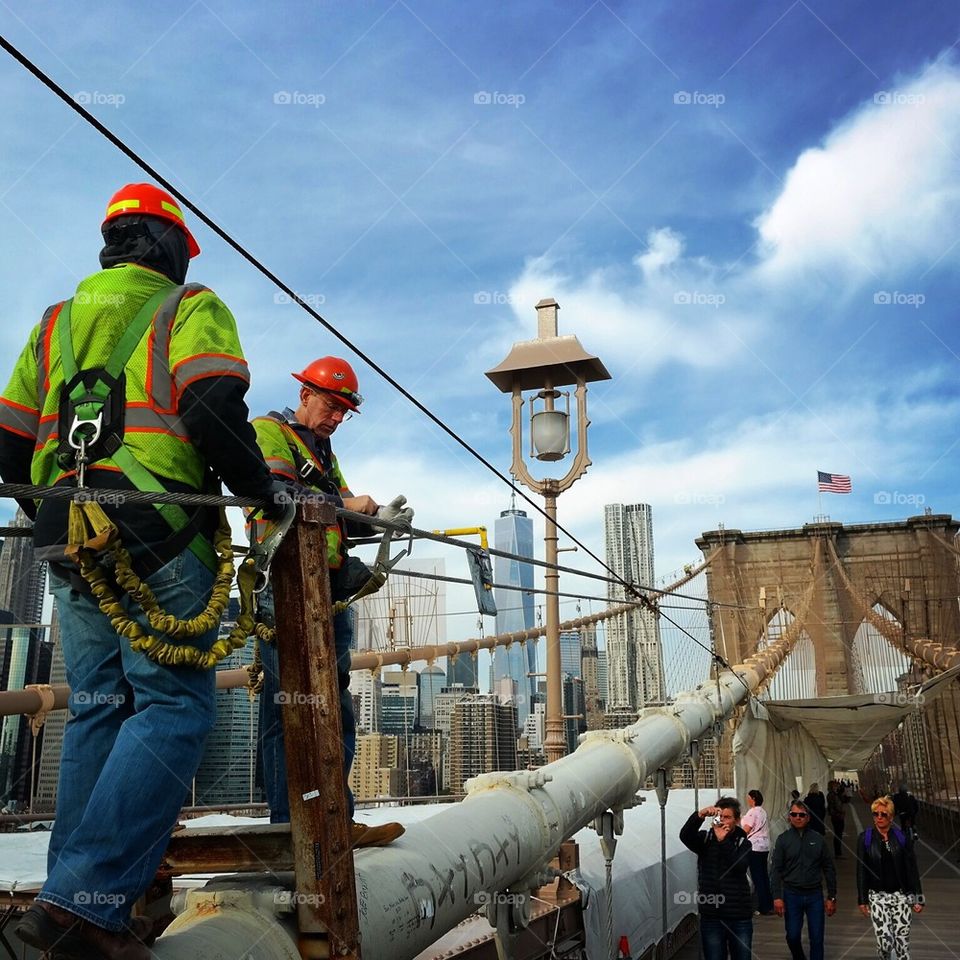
[262, 551]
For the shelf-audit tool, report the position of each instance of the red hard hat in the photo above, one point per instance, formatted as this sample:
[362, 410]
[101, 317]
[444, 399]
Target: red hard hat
[333, 376]
[147, 200]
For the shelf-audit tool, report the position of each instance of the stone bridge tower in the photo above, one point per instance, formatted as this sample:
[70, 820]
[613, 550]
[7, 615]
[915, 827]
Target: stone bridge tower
[829, 575]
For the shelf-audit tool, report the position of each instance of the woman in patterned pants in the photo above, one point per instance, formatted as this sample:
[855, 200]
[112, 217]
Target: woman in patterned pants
[888, 881]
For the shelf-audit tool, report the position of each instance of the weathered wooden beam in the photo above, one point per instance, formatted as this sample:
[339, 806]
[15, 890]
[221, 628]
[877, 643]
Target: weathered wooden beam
[323, 860]
[253, 848]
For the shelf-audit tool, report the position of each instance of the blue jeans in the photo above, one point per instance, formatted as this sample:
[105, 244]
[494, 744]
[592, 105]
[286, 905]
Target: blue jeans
[131, 748]
[761, 880]
[799, 903]
[272, 752]
[720, 936]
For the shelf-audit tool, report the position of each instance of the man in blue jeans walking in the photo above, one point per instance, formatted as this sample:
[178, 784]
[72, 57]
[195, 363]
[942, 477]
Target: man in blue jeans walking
[801, 863]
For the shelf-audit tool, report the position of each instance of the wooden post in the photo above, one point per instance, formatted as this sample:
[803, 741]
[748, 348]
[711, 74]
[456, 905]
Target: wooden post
[325, 892]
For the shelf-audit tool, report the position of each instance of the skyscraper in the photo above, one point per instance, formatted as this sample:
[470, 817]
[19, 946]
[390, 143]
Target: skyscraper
[45, 795]
[24, 658]
[570, 653]
[483, 738]
[399, 702]
[432, 680]
[635, 658]
[463, 671]
[228, 770]
[365, 688]
[513, 533]
[593, 702]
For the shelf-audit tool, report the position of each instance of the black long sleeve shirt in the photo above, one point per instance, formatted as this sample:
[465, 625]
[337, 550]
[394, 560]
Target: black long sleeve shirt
[802, 861]
[722, 887]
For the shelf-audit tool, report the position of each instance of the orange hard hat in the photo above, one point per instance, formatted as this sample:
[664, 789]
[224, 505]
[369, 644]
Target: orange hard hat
[333, 376]
[147, 200]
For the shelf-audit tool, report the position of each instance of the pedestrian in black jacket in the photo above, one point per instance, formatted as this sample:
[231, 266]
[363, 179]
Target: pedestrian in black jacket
[723, 893]
[888, 880]
[800, 864]
[817, 805]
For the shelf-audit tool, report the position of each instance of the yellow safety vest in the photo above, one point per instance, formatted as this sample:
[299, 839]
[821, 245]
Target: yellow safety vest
[275, 439]
[191, 336]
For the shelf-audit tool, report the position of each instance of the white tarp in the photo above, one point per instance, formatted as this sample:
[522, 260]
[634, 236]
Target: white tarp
[773, 760]
[779, 741]
[848, 729]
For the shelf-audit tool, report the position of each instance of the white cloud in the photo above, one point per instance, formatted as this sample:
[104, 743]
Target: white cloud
[878, 199]
[668, 309]
[881, 195]
[664, 249]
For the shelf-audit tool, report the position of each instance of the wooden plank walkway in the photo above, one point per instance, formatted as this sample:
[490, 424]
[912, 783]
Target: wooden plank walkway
[935, 934]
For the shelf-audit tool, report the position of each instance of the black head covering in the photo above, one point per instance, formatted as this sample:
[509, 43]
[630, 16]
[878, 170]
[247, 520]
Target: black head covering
[149, 241]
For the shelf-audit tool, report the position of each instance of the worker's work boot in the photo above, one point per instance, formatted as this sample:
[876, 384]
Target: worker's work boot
[62, 935]
[374, 836]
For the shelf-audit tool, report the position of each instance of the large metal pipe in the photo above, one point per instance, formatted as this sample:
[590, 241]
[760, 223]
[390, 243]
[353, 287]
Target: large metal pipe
[511, 824]
[499, 837]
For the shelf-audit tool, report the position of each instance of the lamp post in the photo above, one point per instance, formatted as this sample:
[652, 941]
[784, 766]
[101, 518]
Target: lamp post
[542, 365]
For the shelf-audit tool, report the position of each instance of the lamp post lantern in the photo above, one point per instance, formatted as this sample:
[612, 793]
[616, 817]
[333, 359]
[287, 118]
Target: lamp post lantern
[543, 365]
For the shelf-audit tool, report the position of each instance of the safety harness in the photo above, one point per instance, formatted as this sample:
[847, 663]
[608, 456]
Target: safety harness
[91, 427]
[92, 408]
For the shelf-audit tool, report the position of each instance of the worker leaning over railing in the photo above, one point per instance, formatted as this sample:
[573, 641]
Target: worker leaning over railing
[296, 445]
[137, 382]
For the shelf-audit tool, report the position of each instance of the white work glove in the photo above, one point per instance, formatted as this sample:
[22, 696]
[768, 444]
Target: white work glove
[396, 512]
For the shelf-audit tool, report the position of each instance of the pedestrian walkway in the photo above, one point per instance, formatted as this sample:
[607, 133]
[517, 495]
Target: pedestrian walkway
[935, 934]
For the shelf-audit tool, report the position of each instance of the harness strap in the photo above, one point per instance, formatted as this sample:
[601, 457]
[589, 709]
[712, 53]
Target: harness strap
[142, 478]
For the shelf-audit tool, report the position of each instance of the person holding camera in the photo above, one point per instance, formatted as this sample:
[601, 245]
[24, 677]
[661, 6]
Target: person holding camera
[723, 893]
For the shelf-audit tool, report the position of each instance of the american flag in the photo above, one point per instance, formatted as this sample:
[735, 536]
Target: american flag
[833, 483]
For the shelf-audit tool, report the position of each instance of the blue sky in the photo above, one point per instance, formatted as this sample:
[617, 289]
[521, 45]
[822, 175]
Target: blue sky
[748, 211]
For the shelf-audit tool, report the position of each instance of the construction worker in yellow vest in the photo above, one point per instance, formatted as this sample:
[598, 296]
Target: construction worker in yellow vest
[137, 382]
[296, 446]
